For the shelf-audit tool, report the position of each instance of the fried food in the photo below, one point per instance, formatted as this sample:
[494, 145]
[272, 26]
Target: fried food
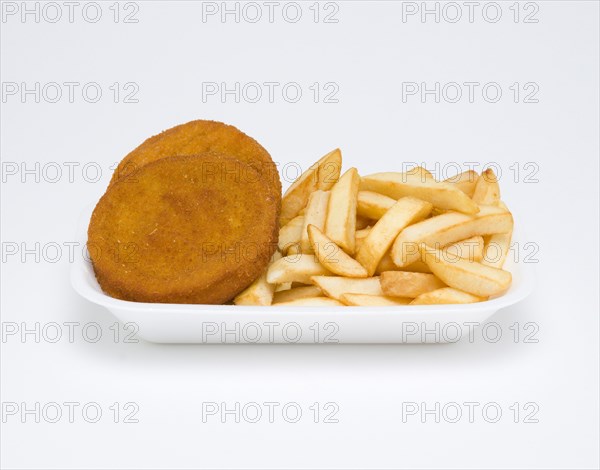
[184, 229]
[200, 137]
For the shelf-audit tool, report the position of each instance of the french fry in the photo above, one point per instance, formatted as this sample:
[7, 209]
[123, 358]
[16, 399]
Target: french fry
[446, 295]
[315, 214]
[407, 284]
[335, 287]
[321, 175]
[363, 232]
[470, 248]
[297, 293]
[487, 190]
[296, 268]
[448, 228]
[294, 250]
[362, 222]
[260, 292]
[373, 205]
[387, 264]
[340, 224]
[440, 194]
[465, 181]
[496, 250]
[332, 257]
[366, 300]
[311, 302]
[282, 286]
[404, 212]
[290, 234]
[473, 278]
[421, 172]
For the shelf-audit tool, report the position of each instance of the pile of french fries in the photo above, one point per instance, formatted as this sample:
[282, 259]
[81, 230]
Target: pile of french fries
[386, 239]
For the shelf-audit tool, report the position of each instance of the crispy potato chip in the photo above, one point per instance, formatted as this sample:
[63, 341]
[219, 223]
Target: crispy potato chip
[321, 175]
[440, 194]
[332, 256]
[407, 284]
[296, 268]
[404, 212]
[448, 228]
[373, 205]
[340, 224]
[366, 300]
[297, 293]
[471, 277]
[465, 181]
[446, 295]
[334, 286]
[315, 214]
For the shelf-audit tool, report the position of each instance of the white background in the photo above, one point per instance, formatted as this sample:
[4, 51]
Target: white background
[368, 53]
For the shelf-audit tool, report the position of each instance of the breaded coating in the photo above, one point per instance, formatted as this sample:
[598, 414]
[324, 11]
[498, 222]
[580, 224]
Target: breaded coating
[186, 229]
[199, 137]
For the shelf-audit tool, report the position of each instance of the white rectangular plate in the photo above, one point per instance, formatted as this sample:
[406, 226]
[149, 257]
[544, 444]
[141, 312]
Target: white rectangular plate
[230, 324]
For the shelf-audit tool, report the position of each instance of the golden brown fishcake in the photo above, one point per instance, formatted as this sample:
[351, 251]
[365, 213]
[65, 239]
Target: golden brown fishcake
[191, 229]
[199, 137]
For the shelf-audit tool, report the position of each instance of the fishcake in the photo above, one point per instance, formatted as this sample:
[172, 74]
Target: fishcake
[184, 229]
[199, 137]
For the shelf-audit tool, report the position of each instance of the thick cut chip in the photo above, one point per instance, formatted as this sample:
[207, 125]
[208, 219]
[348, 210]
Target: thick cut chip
[315, 214]
[321, 175]
[366, 300]
[295, 268]
[387, 264]
[340, 224]
[496, 249]
[407, 284]
[297, 293]
[470, 248]
[440, 194]
[487, 190]
[362, 222]
[465, 181]
[474, 278]
[373, 205]
[260, 292]
[448, 228]
[177, 232]
[332, 256]
[404, 212]
[334, 286]
[290, 234]
[446, 295]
